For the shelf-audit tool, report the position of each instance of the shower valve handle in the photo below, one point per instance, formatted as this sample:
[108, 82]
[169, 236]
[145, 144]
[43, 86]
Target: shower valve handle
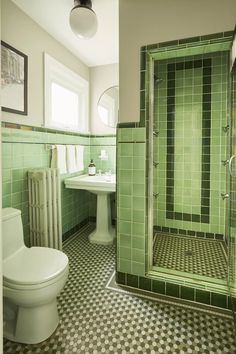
[224, 196]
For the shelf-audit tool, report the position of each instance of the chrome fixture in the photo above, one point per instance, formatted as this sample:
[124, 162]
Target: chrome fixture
[224, 196]
[226, 128]
[155, 164]
[83, 20]
[230, 166]
[157, 80]
[225, 162]
[155, 133]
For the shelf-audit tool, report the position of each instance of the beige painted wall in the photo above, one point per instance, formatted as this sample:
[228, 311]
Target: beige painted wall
[102, 77]
[153, 21]
[23, 33]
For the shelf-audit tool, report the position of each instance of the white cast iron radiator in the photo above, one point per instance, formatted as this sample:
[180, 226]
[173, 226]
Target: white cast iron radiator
[45, 208]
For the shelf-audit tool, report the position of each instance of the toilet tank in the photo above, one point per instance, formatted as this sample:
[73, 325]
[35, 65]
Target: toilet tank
[12, 231]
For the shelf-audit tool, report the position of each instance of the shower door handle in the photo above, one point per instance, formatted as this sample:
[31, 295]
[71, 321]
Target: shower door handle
[230, 165]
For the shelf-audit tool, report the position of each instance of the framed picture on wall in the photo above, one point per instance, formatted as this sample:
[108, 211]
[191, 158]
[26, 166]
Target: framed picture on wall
[14, 80]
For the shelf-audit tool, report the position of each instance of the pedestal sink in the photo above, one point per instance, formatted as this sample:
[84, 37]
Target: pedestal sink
[102, 186]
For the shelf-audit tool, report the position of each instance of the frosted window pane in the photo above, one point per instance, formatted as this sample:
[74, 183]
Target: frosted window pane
[65, 106]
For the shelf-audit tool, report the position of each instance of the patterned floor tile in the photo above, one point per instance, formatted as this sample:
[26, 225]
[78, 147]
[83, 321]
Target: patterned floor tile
[94, 319]
[190, 254]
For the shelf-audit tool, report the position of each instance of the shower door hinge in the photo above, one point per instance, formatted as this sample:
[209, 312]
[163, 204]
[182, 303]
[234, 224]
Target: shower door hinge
[224, 196]
[226, 128]
[155, 133]
[225, 162]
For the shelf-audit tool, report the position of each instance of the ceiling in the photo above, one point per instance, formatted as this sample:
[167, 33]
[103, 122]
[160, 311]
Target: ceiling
[53, 16]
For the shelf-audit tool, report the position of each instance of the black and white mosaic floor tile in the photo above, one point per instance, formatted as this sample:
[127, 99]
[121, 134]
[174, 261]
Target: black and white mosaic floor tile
[190, 254]
[95, 319]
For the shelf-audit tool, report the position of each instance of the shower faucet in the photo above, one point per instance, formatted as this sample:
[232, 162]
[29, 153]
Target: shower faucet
[224, 196]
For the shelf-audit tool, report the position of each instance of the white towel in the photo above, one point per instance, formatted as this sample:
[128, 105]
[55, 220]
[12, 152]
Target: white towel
[59, 158]
[70, 159]
[79, 155]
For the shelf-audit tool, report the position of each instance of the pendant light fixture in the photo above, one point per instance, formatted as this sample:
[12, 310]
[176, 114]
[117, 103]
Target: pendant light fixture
[83, 20]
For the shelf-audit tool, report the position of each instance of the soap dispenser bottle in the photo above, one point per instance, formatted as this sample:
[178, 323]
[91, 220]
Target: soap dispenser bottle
[91, 169]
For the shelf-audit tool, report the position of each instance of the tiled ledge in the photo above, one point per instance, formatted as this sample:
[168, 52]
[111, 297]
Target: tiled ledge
[27, 134]
[177, 291]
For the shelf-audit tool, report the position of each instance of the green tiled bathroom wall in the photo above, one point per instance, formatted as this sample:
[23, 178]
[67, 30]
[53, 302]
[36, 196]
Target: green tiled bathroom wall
[232, 226]
[27, 148]
[131, 152]
[132, 267]
[191, 142]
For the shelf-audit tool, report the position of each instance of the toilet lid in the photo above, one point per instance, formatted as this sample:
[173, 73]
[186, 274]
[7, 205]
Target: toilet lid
[34, 265]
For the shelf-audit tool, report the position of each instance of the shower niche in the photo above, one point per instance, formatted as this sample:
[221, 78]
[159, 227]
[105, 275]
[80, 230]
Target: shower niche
[187, 90]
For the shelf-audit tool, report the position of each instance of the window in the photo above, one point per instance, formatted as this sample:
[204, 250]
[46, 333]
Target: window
[66, 97]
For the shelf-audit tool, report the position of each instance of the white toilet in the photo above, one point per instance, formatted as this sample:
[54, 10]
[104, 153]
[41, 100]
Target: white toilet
[32, 279]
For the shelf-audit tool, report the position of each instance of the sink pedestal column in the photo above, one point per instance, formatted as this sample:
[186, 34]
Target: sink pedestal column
[104, 233]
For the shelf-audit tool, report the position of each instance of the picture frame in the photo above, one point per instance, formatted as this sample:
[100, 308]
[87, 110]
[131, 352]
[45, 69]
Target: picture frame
[14, 80]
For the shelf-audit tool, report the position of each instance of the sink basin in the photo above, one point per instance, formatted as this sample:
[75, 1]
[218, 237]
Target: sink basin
[102, 186]
[94, 184]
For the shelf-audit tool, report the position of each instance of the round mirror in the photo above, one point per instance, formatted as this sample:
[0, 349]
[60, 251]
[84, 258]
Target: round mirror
[108, 106]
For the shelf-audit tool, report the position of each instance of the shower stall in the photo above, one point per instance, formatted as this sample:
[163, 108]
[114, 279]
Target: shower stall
[191, 135]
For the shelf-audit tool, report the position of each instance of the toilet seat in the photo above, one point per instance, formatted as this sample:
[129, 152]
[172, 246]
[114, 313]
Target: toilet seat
[34, 267]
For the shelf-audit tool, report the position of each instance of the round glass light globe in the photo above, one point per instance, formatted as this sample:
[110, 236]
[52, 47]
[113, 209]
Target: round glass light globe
[83, 22]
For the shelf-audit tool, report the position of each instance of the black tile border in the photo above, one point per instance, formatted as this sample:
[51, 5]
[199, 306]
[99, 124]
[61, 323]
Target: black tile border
[177, 291]
[183, 232]
[74, 229]
[205, 64]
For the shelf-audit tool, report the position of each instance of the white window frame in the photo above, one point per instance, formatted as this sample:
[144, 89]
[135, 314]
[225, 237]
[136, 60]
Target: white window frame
[55, 72]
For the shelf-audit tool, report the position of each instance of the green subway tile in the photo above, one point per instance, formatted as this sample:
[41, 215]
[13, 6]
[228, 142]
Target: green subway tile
[17, 186]
[125, 227]
[126, 149]
[124, 265]
[203, 296]
[6, 189]
[6, 175]
[18, 174]
[132, 280]
[138, 243]
[138, 216]
[139, 150]
[138, 177]
[125, 214]
[138, 268]
[138, 229]
[138, 190]
[16, 199]
[158, 286]
[125, 163]
[138, 255]
[219, 300]
[125, 176]
[138, 163]
[6, 201]
[124, 240]
[121, 278]
[145, 283]
[138, 203]
[125, 253]
[139, 134]
[125, 201]
[125, 188]
[186, 293]
[172, 290]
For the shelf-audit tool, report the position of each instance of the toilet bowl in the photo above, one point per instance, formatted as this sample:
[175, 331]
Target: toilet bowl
[32, 279]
